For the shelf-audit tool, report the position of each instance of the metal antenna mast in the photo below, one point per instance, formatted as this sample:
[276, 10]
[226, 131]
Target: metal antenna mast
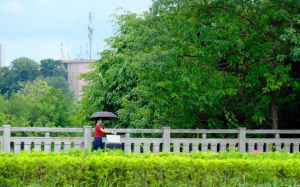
[62, 53]
[68, 56]
[91, 34]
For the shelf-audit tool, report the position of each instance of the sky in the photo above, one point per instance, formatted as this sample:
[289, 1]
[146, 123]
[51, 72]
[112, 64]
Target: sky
[41, 29]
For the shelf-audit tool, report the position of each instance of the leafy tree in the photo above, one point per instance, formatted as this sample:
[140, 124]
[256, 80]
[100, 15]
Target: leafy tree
[29, 100]
[4, 119]
[6, 80]
[59, 82]
[257, 42]
[56, 107]
[23, 69]
[7, 119]
[34, 90]
[195, 64]
[16, 105]
[14, 111]
[38, 105]
[110, 74]
[52, 68]
[48, 106]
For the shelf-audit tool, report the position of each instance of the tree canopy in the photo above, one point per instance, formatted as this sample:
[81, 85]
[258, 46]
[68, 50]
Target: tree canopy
[200, 64]
[24, 69]
[52, 68]
[37, 105]
[36, 95]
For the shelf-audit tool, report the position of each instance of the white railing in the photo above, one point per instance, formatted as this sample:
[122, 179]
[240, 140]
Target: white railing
[155, 145]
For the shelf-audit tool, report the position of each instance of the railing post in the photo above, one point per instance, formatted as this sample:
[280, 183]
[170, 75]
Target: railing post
[242, 139]
[278, 143]
[166, 138]
[127, 146]
[87, 137]
[6, 138]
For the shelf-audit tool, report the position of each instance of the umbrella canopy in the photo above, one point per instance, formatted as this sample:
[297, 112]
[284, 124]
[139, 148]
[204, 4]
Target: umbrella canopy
[104, 116]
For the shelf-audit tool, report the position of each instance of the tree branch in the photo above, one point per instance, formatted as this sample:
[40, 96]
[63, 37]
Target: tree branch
[253, 23]
[275, 50]
[187, 55]
[232, 70]
[240, 90]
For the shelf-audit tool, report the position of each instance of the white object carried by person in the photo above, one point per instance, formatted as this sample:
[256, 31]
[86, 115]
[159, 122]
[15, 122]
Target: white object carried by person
[113, 139]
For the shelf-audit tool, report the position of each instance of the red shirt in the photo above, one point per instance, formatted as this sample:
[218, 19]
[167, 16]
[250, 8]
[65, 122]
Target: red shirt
[98, 132]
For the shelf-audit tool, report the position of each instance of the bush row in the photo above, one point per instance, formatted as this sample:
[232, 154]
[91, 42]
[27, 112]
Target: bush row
[83, 168]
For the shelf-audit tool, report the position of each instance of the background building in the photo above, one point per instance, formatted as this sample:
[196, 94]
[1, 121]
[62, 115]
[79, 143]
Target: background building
[74, 69]
[1, 55]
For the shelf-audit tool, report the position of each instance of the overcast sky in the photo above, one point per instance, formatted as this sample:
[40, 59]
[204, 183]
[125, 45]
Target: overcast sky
[37, 28]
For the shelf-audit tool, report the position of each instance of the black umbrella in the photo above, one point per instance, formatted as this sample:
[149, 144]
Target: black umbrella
[104, 116]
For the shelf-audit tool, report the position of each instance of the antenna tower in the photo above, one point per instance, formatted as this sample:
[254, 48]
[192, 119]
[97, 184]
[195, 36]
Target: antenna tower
[62, 53]
[68, 56]
[87, 52]
[91, 32]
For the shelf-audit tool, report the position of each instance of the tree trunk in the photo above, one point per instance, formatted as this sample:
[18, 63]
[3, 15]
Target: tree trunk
[274, 110]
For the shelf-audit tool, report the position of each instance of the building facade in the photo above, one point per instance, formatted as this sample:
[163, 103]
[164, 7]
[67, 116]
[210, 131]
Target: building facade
[74, 69]
[1, 55]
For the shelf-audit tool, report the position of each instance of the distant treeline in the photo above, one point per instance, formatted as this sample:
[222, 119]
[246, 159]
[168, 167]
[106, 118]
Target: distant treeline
[36, 95]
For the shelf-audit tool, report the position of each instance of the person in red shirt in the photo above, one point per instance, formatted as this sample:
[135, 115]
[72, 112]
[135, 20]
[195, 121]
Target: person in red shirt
[98, 135]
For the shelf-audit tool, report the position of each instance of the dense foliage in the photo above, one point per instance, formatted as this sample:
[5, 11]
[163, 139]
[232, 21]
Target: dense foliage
[26, 70]
[115, 168]
[37, 105]
[36, 95]
[201, 64]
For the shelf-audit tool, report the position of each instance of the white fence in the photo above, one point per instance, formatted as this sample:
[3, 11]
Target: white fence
[154, 145]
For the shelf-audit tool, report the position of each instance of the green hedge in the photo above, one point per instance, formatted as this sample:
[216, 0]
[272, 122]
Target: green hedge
[83, 168]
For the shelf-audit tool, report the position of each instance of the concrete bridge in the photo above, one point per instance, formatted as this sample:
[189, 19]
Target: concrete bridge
[155, 145]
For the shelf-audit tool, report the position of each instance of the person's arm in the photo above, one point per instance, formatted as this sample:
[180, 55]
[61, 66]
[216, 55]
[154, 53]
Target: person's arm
[105, 131]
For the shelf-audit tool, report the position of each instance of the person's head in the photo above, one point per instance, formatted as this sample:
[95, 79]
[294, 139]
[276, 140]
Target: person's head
[98, 121]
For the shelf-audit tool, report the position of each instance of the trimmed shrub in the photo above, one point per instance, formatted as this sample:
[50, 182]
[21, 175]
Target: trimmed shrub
[85, 168]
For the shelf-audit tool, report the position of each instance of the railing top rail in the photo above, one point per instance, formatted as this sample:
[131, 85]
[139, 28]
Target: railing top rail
[137, 130]
[226, 131]
[192, 131]
[45, 129]
[271, 131]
